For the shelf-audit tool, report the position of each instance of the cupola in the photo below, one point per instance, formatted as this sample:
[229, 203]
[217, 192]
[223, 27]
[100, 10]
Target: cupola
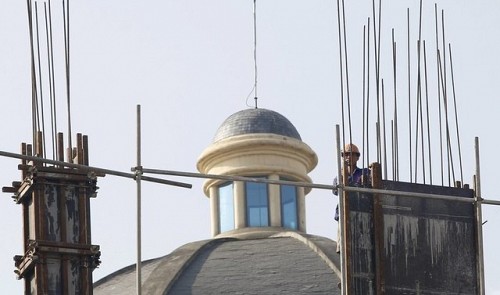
[257, 143]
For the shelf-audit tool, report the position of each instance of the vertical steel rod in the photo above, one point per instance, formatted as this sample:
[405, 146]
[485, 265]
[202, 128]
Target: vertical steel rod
[368, 94]
[395, 146]
[341, 66]
[456, 116]
[365, 139]
[138, 173]
[409, 92]
[346, 74]
[384, 130]
[439, 96]
[479, 220]
[427, 113]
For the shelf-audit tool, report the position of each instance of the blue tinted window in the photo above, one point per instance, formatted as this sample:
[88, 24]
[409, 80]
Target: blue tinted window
[226, 207]
[289, 206]
[257, 204]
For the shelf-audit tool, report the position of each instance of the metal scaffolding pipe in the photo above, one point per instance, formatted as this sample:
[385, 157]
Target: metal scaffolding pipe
[479, 220]
[138, 173]
[319, 186]
[408, 194]
[238, 178]
[343, 278]
[93, 169]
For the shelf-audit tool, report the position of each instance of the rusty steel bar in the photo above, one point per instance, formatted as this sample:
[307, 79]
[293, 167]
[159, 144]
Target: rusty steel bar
[60, 147]
[79, 148]
[85, 150]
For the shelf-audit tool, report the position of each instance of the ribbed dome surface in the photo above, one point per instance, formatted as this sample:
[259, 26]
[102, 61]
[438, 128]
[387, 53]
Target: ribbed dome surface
[256, 121]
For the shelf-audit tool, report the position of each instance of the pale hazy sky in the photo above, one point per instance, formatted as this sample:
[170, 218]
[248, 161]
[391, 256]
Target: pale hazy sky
[190, 65]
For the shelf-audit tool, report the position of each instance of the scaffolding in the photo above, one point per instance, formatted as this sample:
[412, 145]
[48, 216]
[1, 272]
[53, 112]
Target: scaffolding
[375, 196]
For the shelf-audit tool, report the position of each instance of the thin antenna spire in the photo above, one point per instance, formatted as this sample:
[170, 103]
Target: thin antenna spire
[255, 49]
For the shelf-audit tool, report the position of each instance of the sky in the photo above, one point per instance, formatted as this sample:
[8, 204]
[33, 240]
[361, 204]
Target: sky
[190, 64]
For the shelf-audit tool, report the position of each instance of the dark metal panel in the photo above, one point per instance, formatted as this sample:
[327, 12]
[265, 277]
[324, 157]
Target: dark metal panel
[362, 246]
[428, 246]
[74, 279]
[51, 219]
[54, 278]
[72, 214]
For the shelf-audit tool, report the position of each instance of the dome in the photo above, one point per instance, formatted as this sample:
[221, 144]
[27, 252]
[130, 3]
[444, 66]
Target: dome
[284, 263]
[256, 121]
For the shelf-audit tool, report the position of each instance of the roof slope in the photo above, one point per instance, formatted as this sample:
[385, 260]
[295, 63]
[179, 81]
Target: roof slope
[287, 263]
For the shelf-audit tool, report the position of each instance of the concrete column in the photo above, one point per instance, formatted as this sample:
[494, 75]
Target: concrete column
[214, 210]
[274, 202]
[239, 205]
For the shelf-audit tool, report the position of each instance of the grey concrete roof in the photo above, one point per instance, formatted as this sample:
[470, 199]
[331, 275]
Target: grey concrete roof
[256, 121]
[285, 263]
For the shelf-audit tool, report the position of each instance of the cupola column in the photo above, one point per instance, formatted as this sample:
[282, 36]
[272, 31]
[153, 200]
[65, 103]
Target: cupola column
[274, 202]
[301, 208]
[214, 209]
[239, 205]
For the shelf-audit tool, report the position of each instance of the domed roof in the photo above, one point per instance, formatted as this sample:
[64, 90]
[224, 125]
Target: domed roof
[285, 263]
[256, 121]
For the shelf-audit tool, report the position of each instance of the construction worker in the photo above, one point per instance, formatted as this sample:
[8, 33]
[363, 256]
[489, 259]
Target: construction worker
[356, 176]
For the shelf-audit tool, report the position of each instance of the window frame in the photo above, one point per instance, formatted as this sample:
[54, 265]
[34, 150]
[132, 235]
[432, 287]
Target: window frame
[267, 205]
[282, 205]
[221, 212]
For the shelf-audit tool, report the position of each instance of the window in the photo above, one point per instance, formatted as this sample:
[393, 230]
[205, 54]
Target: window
[226, 207]
[288, 195]
[257, 204]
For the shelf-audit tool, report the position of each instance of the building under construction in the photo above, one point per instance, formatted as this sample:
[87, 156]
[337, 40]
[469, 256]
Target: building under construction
[397, 237]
